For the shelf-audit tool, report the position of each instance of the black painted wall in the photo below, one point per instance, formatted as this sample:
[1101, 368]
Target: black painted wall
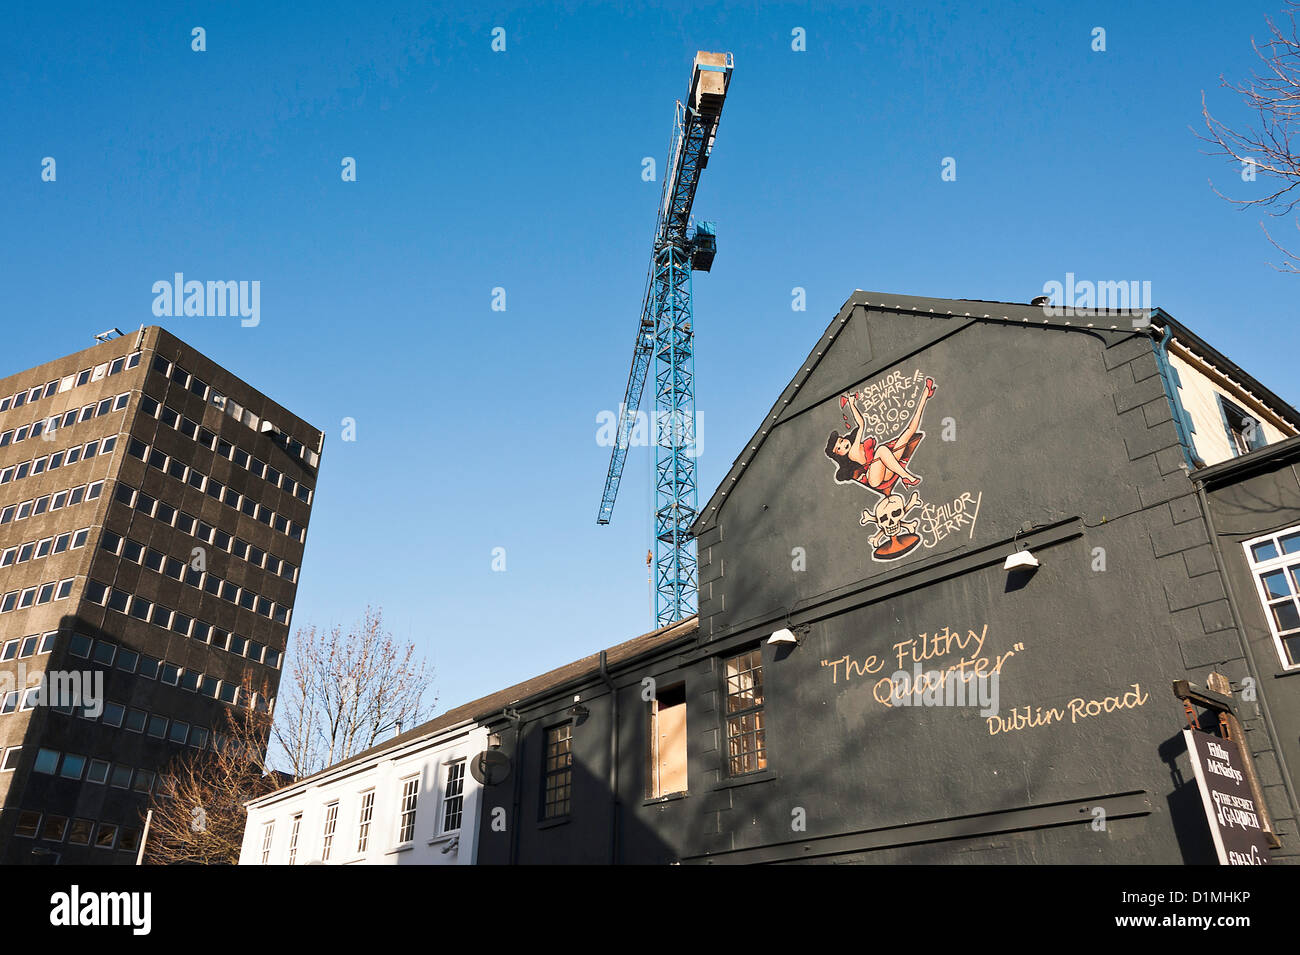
[1065, 439]
[1243, 507]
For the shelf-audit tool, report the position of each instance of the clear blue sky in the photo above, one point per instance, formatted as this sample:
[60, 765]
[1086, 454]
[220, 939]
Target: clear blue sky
[476, 429]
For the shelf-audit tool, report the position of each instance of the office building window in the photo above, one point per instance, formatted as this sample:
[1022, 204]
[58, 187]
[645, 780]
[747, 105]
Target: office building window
[105, 836]
[557, 771]
[54, 828]
[29, 823]
[746, 749]
[1275, 564]
[129, 841]
[47, 761]
[79, 832]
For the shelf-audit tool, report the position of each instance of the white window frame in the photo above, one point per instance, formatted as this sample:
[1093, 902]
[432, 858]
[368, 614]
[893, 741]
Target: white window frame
[268, 835]
[446, 783]
[1258, 569]
[365, 816]
[293, 838]
[328, 830]
[410, 792]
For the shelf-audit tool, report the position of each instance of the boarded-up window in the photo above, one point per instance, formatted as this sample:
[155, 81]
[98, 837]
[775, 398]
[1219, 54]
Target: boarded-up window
[667, 737]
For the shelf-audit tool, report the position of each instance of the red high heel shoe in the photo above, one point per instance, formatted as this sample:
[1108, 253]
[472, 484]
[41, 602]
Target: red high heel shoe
[929, 387]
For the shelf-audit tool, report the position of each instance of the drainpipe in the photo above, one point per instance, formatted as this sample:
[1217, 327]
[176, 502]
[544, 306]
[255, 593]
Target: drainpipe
[613, 760]
[515, 822]
[1161, 348]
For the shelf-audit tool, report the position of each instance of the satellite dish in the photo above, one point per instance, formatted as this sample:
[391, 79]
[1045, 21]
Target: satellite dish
[490, 767]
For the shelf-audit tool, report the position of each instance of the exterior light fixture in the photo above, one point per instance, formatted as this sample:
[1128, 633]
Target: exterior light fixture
[1020, 560]
[784, 636]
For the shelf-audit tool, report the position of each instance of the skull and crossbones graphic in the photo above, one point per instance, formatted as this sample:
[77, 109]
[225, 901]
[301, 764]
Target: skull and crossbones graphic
[889, 516]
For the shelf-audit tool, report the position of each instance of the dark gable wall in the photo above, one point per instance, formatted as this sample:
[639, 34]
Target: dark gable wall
[1066, 431]
[1035, 433]
[1065, 437]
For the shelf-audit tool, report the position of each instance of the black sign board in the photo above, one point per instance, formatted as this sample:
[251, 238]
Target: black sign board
[1229, 804]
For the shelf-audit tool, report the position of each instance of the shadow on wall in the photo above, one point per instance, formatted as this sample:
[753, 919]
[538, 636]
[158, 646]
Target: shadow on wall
[839, 789]
[1186, 809]
[586, 835]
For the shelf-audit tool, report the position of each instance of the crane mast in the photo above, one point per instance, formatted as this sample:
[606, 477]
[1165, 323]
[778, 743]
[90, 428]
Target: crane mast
[665, 338]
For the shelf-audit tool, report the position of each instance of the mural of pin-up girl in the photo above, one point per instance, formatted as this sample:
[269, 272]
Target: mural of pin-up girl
[864, 460]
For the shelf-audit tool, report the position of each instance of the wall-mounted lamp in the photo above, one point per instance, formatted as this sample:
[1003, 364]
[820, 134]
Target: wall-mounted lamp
[1020, 560]
[577, 710]
[784, 636]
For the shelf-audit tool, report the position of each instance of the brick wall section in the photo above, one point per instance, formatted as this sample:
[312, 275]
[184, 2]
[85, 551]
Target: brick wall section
[717, 834]
[710, 569]
[1197, 594]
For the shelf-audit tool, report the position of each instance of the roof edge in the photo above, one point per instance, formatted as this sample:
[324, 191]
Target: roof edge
[475, 711]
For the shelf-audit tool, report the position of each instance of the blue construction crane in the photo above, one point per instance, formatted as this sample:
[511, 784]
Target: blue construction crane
[664, 336]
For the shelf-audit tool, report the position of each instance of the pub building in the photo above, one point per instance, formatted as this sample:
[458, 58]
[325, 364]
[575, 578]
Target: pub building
[960, 595]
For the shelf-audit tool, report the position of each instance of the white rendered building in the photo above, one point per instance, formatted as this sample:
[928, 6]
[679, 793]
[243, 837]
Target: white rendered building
[408, 801]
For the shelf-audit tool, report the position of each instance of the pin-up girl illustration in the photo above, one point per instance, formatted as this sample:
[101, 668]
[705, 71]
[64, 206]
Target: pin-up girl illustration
[866, 461]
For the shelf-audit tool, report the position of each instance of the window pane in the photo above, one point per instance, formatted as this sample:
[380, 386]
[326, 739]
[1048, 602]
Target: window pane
[1275, 584]
[47, 760]
[1264, 551]
[79, 832]
[106, 835]
[1286, 616]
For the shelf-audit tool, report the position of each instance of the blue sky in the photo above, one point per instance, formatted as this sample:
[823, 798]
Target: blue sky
[476, 429]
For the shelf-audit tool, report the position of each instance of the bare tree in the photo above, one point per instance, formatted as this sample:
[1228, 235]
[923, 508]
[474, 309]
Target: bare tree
[1265, 149]
[198, 807]
[342, 689]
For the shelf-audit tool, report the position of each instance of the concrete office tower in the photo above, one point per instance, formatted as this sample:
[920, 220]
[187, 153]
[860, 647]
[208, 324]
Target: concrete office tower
[153, 513]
